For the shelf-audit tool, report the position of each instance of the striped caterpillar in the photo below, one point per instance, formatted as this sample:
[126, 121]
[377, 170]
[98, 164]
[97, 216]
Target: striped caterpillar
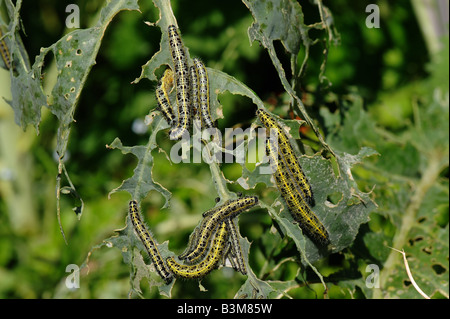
[288, 156]
[292, 182]
[203, 93]
[213, 218]
[182, 84]
[233, 251]
[298, 207]
[149, 242]
[208, 264]
[194, 92]
[4, 51]
[236, 250]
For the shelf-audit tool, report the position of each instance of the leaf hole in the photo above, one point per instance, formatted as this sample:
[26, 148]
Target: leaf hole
[406, 283]
[72, 89]
[438, 269]
[79, 52]
[66, 96]
[421, 220]
[335, 198]
[415, 240]
[68, 64]
[427, 250]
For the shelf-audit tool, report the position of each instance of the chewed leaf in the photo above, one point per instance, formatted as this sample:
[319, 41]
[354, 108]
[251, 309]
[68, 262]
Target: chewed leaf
[135, 255]
[141, 183]
[221, 82]
[159, 58]
[27, 100]
[163, 55]
[254, 288]
[339, 205]
[75, 55]
[26, 89]
[279, 20]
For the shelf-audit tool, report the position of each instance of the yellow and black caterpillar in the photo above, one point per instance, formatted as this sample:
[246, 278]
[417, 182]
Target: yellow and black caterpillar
[292, 182]
[149, 243]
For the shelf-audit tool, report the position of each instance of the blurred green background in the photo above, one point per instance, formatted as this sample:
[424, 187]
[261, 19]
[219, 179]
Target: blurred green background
[385, 67]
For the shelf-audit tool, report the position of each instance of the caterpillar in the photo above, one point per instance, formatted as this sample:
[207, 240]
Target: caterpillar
[182, 84]
[203, 93]
[236, 247]
[194, 92]
[192, 243]
[229, 254]
[195, 235]
[162, 96]
[213, 218]
[288, 156]
[241, 202]
[233, 251]
[208, 264]
[149, 243]
[193, 238]
[298, 207]
[6, 56]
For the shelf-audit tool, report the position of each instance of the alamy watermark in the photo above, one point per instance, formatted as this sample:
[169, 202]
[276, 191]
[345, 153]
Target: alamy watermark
[210, 145]
[73, 18]
[373, 19]
[373, 279]
[73, 279]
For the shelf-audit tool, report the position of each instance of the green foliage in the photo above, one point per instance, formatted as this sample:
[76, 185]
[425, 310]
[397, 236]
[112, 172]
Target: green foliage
[409, 194]
[376, 156]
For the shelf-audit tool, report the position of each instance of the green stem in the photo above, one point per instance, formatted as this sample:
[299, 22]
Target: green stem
[299, 105]
[217, 175]
[427, 11]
